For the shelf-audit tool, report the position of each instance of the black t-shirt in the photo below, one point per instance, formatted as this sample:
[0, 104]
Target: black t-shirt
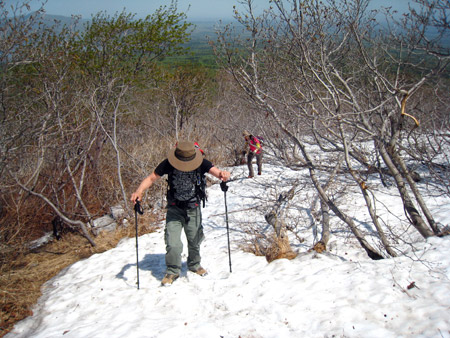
[183, 185]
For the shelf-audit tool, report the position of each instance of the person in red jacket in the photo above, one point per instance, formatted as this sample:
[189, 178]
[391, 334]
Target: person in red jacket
[254, 149]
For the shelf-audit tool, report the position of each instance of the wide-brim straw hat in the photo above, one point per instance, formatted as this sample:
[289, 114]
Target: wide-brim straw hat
[185, 157]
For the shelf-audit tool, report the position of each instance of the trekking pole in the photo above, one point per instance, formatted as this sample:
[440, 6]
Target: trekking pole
[137, 209]
[224, 187]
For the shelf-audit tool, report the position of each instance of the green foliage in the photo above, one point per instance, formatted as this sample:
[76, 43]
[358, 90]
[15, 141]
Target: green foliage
[126, 48]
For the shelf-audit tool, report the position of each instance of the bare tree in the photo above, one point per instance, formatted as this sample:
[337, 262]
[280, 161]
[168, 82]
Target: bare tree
[64, 93]
[328, 72]
[187, 92]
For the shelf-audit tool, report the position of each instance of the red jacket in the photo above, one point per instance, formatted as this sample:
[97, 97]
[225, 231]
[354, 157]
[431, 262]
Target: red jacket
[255, 144]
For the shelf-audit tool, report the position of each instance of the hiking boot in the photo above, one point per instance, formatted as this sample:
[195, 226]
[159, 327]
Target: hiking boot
[200, 271]
[250, 176]
[169, 279]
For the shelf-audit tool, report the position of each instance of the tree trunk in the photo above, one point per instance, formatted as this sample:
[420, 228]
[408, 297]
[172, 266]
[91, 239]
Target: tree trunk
[400, 164]
[409, 207]
[321, 245]
[364, 190]
[325, 223]
[60, 214]
[280, 246]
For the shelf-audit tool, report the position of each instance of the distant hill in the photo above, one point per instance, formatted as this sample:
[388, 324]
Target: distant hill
[201, 31]
[49, 20]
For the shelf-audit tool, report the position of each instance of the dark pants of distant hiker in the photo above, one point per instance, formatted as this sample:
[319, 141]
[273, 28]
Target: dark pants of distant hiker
[258, 162]
[191, 221]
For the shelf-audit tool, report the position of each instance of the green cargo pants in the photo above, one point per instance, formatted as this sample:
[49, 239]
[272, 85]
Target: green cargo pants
[191, 221]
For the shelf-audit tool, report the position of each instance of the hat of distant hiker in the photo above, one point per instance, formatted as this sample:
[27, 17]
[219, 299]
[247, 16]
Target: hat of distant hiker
[245, 133]
[185, 157]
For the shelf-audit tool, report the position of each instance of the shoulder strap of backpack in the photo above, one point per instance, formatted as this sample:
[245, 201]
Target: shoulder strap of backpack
[200, 187]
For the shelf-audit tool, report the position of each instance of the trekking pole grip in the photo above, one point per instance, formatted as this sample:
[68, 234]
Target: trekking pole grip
[138, 207]
[223, 186]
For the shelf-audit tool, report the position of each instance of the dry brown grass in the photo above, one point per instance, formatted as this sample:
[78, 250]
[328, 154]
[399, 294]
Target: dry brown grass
[279, 248]
[272, 248]
[319, 247]
[22, 278]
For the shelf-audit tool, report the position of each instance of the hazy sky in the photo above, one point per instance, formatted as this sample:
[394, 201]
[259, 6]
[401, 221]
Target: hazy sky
[195, 9]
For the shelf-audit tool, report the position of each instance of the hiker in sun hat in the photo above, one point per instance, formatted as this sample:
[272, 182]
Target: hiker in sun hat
[254, 149]
[185, 167]
[196, 145]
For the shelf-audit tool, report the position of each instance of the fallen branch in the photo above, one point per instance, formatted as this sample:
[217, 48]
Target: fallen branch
[234, 211]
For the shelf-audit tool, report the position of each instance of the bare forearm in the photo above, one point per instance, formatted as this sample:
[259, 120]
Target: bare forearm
[220, 174]
[145, 184]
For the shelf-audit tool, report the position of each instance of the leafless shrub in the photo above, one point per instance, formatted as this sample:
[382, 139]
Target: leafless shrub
[329, 76]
